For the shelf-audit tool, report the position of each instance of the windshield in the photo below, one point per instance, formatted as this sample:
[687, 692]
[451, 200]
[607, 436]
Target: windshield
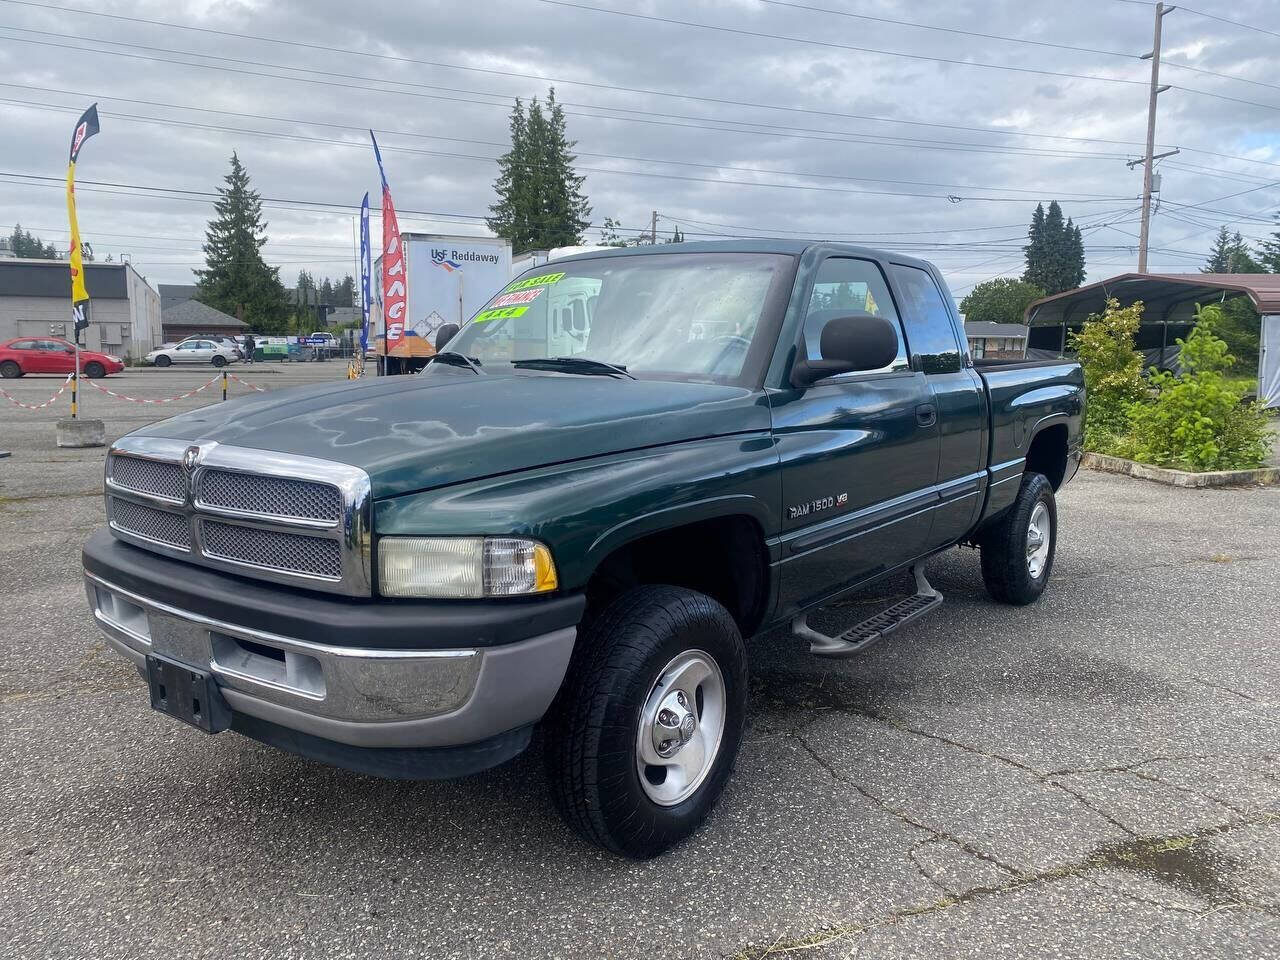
[666, 316]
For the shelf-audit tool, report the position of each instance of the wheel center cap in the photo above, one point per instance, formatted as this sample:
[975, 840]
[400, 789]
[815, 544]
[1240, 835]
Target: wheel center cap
[674, 725]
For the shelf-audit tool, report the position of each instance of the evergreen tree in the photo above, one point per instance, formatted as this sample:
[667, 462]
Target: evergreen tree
[326, 292]
[27, 246]
[236, 280]
[344, 292]
[1054, 251]
[1269, 253]
[540, 199]
[1231, 254]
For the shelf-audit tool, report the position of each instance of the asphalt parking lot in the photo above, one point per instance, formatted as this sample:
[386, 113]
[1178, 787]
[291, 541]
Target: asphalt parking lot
[1097, 775]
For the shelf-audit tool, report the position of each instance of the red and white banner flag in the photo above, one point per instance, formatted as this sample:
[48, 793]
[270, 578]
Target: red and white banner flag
[394, 302]
[393, 291]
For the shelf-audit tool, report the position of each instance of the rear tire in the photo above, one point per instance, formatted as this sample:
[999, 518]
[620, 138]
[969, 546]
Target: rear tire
[163, 361]
[95, 370]
[632, 692]
[219, 361]
[10, 370]
[1017, 553]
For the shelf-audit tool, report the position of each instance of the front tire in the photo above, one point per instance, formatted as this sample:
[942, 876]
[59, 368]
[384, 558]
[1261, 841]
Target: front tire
[163, 361]
[643, 735]
[95, 370]
[1017, 553]
[10, 370]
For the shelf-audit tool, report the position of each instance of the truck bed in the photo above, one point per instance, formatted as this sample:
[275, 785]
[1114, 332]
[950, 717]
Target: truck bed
[1024, 398]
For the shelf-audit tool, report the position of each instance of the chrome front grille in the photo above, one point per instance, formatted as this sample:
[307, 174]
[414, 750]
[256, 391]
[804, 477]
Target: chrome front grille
[292, 552]
[160, 526]
[272, 496]
[152, 477]
[296, 520]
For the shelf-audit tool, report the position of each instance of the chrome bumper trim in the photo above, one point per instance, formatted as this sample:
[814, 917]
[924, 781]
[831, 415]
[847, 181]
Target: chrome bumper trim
[340, 683]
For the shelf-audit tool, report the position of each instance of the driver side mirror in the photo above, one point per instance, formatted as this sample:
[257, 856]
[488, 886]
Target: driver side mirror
[445, 334]
[860, 341]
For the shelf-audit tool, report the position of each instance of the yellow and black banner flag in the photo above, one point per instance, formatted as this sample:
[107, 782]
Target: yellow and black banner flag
[86, 127]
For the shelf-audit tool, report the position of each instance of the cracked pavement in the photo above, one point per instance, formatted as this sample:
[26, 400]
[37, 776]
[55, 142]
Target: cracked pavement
[1096, 775]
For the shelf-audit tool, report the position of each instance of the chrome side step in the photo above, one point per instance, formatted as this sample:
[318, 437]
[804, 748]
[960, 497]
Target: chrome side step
[856, 639]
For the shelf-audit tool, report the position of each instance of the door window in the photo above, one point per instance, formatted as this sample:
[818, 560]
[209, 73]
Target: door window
[25, 345]
[928, 321]
[843, 287]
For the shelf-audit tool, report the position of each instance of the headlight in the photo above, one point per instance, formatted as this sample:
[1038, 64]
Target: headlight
[463, 568]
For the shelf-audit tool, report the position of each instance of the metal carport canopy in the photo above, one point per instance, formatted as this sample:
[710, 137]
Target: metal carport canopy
[1172, 298]
[1167, 297]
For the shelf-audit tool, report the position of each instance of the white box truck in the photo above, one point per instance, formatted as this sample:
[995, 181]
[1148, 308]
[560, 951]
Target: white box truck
[448, 280]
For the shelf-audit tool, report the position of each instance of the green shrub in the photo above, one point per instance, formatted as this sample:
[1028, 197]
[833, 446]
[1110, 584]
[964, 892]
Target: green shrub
[1112, 374]
[1198, 421]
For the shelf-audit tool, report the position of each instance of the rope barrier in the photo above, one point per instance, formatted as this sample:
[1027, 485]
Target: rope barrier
[221, 377]
[251, 386]
[181, 396]
[39, 406]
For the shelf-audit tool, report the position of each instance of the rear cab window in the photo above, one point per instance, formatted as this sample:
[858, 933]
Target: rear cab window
[927, 320]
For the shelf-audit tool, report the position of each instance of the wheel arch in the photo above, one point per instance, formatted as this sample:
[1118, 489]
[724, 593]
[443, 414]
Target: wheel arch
[1048, 451]
[714, 546]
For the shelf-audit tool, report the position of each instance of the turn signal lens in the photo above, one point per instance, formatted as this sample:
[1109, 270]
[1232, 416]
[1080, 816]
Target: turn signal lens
[463, 568]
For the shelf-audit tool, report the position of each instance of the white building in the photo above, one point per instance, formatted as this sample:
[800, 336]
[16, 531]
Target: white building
[124, 313]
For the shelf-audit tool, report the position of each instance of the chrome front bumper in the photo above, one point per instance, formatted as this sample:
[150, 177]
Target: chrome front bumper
[357, 696]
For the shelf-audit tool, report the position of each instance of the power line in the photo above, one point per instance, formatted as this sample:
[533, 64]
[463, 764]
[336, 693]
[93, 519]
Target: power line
[836, 46]
[204, 196]
[725, 126]
[720, 101]
[719, 181]
[892, 53]
[1036, 191]
[951, 30]
[1024, 40]
[1234, 23]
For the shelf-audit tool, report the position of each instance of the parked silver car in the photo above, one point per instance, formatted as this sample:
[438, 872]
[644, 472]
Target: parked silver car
[194, 351]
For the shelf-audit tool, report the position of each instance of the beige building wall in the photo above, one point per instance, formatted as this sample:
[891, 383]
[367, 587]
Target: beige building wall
[121, 327]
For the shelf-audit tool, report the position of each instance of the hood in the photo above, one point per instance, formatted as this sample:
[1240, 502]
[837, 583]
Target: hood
[416, 432]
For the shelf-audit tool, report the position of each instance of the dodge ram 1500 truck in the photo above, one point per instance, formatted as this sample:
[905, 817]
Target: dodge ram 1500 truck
[623, 465]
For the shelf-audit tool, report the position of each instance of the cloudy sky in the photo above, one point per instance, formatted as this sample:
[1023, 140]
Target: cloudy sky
[930, 127]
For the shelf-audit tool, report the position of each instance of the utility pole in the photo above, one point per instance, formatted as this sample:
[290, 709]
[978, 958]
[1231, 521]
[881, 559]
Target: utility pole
[653, 228]
[1148, 160]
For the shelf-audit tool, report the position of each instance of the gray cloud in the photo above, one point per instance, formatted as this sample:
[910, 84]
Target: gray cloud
[410, 103]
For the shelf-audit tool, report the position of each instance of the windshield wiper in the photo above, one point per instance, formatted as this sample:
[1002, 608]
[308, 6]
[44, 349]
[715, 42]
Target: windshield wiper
[584, 365]
[458, 360]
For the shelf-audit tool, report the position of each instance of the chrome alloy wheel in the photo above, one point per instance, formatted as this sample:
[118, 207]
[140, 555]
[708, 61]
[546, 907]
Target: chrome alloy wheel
[1039, 537]
[681, 724]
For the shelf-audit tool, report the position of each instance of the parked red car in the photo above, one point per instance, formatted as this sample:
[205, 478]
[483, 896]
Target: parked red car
[52, 355]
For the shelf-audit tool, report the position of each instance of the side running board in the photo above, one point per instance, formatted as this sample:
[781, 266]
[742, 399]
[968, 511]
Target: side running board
[856, 639]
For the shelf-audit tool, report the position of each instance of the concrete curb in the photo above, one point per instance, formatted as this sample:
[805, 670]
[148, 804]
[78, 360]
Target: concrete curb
[1267, 476]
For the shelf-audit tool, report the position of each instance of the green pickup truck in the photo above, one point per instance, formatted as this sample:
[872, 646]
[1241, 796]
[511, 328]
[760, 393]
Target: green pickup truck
[625, 464]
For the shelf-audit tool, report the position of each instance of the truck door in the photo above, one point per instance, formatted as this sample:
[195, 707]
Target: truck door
[859, 452]
[937, 351]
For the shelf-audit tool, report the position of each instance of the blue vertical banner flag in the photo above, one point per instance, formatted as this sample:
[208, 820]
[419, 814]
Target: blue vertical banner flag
[366, 275]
